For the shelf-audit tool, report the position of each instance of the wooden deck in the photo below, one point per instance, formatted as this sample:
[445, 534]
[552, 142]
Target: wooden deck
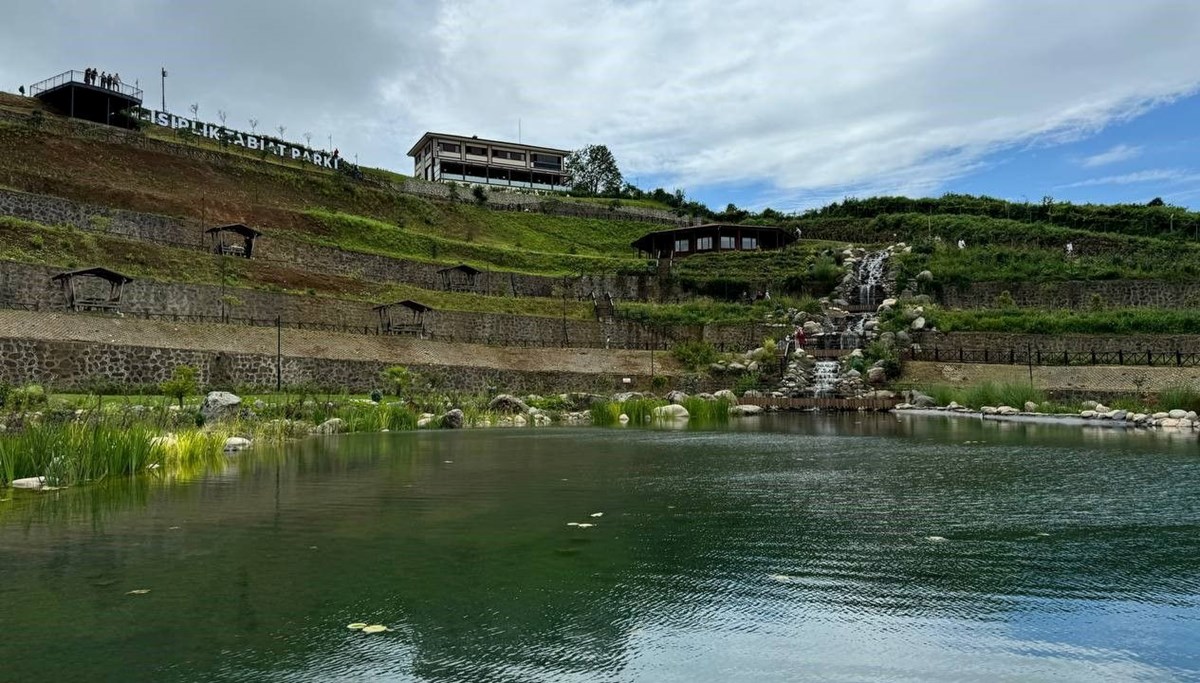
[830, 404]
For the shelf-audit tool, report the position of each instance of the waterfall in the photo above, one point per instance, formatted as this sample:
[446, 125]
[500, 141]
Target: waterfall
[825, 375]
[870, 276]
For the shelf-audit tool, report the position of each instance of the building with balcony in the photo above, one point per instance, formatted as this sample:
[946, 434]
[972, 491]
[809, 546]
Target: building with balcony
[711, 238]
[442, 157]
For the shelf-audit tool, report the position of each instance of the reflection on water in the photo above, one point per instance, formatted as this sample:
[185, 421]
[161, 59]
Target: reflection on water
[861, 547]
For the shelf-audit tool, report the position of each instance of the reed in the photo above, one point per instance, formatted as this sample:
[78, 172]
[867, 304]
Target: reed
[702, 412]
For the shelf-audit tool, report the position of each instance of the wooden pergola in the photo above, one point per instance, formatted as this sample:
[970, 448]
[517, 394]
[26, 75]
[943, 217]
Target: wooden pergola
[460, 278]
[81, 297]
[402, 317]
[234, 239]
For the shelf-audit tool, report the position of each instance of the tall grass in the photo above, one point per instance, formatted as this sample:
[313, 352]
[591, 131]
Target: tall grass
[70, 453]
[1179, 396]
[986, 394]
[704, 412]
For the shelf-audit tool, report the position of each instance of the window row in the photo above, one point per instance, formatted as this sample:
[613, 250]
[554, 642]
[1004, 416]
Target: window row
[706, 243]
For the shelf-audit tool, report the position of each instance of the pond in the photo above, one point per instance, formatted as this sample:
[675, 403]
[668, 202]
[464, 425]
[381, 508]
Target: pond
[791, 547]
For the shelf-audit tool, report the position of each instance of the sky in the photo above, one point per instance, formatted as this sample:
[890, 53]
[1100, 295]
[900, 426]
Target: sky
[789, 105]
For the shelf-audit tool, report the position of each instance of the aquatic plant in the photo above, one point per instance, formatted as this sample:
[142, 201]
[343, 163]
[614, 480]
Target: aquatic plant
[702, 412]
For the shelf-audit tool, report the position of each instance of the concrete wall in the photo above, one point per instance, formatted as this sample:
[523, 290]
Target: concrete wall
[1078, 294]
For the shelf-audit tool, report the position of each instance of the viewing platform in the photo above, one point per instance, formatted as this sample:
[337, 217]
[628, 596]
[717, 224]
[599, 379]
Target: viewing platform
[69, 93]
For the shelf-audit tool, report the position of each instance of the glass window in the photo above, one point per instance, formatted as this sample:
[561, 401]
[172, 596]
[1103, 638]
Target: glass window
[449, 147]
[728, 242]
[749, 243]
[703, 243]
[681, 245]
[477, 151]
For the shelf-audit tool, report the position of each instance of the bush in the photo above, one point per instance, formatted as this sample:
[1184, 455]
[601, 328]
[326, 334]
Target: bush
[26, 398]
[398, 379]
[658, 382]
[182, 383]
[695, 354]
[747, 382]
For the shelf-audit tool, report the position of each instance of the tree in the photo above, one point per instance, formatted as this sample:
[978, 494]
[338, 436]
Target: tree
[253, 124]
[222, 114]
[593, 170]
[1157, 201]
[182, 383]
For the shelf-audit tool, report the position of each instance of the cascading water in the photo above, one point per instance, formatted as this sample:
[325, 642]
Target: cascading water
[870, 276]
[825, 376]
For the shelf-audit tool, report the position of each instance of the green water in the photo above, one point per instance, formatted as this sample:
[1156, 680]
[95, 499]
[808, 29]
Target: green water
[785, 548]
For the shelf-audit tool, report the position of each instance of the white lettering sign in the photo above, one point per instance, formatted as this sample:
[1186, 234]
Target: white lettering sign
[210, 131]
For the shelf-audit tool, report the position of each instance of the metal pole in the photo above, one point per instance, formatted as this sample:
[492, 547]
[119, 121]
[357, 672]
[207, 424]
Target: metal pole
[164, 89]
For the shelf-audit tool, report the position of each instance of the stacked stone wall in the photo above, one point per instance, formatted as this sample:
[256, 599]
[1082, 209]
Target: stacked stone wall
[1077, 294]
[188, 233]
[1074, 343]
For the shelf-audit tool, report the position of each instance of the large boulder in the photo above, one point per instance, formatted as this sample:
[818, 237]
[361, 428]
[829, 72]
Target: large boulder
[333, 425]
[1177, 414]
[671, 412]
[725, 394]
[745, 410]
[919, 323]
[453, 419]
[236, 443]
[220, 405]
[811, 328]
[876, 375]
[1030, 407]
[507, 403]
[677, 397]
[922, 401]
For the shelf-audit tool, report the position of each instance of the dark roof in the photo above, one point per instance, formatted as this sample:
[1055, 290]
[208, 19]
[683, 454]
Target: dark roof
[104, 273]
[462, 267]
[407, 303]
[243, 230]
[648, 239]
[469, 139]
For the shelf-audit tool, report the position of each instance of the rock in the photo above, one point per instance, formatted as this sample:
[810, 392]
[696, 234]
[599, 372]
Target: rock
[259, 404]
[705, 396]
[919, 323]
[1117, 414]
[725, 394]
[1100, 408]
[737, 367]
[507, 403]
[424, 422]
[671, 412]
[751, 393]
[627, 395]
[925, 276]
[677, 397]
[953, 405]
[1169, 423]
[519, 421]
[32, 483]
[1191, 415]
[989, 410]
[1007, 410]
[745, 410]
[236, 443]
[887, 303]
[921, 400]
[903, 338]
[876, 375]
[333, 425]
[717, 367]
[880, 393]
[753, 366]
[1031, 407]
[219, 405]
[811, 328]
[1177, 414]
[1160, 416]
[623, 418]
[1089, 405]
[453, 419]
[1087, 414]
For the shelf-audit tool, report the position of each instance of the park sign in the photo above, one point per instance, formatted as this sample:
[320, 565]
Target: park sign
[267, 145]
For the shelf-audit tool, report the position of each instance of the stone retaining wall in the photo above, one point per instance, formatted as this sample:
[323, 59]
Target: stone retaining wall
[1077, 294]
[189, 233]
[31, 285]
[66, 365]
[1075, 343]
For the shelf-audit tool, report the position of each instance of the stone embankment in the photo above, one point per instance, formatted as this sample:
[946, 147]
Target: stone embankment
[1098, 414]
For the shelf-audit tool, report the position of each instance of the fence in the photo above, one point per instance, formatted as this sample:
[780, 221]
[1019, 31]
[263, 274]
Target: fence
[77, 77]
[1032, 356]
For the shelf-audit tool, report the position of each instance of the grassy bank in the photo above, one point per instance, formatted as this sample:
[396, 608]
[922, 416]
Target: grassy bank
[1017, 395]
[1039, 321]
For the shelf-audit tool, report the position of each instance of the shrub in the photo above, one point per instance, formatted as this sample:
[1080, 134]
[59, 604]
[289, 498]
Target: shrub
[658, 382]
[695, 354]
[182, 383]
[480, 195]
[398, 379]
[1005, 300]
[27, 397]
[1180, 396]
[747, 382]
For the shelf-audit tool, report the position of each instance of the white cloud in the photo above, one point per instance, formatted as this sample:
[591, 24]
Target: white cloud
[1111, 156]
[806, 98]
[1157, 175]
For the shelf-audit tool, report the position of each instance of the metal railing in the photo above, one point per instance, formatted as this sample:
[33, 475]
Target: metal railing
[73, 76]
[1033, 356]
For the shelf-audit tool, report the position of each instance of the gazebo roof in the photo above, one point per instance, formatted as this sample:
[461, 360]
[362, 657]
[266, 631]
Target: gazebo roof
[103, 273]
[243, 230]
[407, 303]
[462, 267]
[646, 242]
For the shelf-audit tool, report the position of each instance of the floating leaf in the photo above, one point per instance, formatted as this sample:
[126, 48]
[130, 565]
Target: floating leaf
[357, 626]
[375, 628]
[138, 591]
[597, 514]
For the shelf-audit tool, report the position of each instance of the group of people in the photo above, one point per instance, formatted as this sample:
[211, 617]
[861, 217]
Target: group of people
[106, 80]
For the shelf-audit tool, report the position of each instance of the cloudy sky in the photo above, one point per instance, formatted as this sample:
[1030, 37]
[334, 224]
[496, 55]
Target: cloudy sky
[782, 104]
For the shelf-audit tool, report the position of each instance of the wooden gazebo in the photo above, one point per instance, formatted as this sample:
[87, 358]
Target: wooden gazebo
[711, 238]
[402, 317]
[88, 295]
[460, 278]
[233, 240]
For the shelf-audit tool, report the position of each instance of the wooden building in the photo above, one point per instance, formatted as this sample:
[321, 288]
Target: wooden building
[233, 240]
[84, 289]
[403, 317]
[712, 238]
